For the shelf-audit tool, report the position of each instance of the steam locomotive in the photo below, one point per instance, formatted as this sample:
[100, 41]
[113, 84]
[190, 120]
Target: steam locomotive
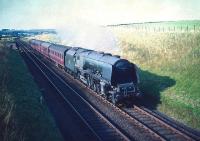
[108, 75]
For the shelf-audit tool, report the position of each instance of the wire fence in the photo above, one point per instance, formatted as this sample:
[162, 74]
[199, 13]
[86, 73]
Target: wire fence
[143, 28]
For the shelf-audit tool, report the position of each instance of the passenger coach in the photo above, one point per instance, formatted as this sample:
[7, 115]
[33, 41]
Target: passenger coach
[57, 53]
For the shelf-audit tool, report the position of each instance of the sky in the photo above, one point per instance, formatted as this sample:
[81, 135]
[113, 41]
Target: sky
[55, 13]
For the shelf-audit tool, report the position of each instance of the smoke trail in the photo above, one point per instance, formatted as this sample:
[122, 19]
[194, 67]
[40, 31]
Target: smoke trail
[88, 36]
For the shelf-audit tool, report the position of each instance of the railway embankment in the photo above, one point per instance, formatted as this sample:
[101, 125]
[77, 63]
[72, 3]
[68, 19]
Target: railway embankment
[23, 113]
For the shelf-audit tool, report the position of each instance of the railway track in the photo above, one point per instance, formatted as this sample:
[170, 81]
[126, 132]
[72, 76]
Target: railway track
[159, 125]
[100, 126]
[179, 126]
[153, 125]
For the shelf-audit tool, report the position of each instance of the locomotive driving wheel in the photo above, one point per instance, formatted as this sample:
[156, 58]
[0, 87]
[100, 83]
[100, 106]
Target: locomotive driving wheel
[94, 87]
[114, 100]
[89, 81]
[78, 75]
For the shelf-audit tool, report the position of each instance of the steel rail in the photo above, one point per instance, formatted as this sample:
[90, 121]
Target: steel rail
[159, 122]
[71, 105]
[169, 123]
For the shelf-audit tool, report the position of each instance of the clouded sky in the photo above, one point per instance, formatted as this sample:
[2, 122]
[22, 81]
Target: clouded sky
[54, 13]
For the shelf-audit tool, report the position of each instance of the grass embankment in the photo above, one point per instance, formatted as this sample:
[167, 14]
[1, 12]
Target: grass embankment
[169, 70]
[22, 116]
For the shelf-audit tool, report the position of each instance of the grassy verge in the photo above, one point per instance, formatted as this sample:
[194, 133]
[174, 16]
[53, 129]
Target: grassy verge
[22, 116]
[169, 69]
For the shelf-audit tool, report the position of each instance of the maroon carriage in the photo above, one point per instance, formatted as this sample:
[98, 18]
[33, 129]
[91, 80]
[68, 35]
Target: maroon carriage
[57, 53]
[45, 48]
[36, 44]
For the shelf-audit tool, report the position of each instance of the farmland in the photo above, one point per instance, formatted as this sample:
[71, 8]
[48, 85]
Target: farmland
[169, 65]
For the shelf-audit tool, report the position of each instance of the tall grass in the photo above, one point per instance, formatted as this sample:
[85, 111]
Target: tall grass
[22, 117]
[6, 121]
[172, 54]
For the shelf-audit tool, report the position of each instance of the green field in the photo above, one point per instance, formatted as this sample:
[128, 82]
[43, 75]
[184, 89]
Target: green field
[169, 65]
[22, 116]
[168, 26]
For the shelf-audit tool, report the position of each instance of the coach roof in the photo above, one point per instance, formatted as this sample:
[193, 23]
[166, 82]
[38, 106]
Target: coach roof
[59, 48]
[46, 44]
[37, 42]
